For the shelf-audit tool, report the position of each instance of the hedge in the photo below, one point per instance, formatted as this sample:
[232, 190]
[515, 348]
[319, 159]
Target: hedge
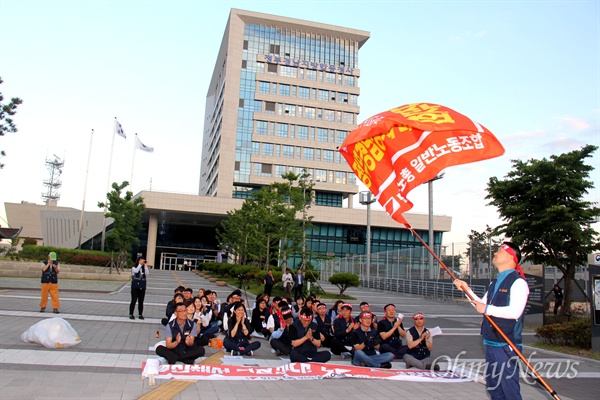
[577, 333]
[66, 256]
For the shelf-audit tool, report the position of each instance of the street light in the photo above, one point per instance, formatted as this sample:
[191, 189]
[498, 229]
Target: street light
[431, 241]
[366, 198]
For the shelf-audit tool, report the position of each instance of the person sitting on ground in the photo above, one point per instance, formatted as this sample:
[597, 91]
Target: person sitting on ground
[260, 315]
[364, 306]
[335, 310]
[282, 344]
[187, 294]
[420, 343]
[391, 330]
[180, 336]
[300, 300]
[366, 342]
[237, 340]
[203, 317]
[305, 341]
[342, 331]
[274, 320]
[325, 330]
[170, 311]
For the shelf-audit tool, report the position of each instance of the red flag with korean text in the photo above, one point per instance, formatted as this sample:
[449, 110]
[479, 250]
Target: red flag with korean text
[397, 150]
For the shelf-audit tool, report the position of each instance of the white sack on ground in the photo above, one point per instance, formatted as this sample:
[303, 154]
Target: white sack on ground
[53, 333]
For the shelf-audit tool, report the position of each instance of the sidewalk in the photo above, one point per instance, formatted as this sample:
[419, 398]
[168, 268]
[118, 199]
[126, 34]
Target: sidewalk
[107, 362]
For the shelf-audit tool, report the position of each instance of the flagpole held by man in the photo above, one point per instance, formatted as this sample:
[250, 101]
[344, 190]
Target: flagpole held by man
[397, 150]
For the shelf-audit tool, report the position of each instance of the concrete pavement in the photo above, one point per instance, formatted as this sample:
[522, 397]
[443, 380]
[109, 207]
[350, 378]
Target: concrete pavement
[107, 362]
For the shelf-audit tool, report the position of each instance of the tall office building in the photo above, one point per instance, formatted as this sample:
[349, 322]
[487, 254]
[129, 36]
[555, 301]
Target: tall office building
[283, 97]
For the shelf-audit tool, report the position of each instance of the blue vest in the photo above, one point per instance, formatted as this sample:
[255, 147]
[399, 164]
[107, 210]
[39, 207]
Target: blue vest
[420, 351]
[176, 329]
[501, 298]
[301, 332]
[368, 338]
[339, 330]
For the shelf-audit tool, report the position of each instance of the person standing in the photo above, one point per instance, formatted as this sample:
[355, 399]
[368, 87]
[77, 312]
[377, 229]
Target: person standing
[288, 282]
[139, 275]
[558, 297]
[50, 272]
[505, 303]
[269, 281]
[298, 283]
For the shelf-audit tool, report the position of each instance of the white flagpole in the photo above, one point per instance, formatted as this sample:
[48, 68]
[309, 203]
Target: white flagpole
[112, 145]
[84, 190]
[133, 162]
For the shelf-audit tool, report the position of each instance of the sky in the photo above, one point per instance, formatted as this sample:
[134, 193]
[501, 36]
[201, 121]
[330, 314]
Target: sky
[527, 70]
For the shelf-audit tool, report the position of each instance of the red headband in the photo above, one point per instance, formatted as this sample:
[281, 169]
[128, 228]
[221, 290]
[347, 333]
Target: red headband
[510, 251]
[306, 316]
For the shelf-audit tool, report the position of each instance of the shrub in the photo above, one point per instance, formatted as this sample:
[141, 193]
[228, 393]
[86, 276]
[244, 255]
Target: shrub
[577, 333]
[344, 280]
[67, 256]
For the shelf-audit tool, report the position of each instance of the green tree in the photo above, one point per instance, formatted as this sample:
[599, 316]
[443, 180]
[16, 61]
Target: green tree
[344, 280]
[479, 248]
[541, 202]
[127, 214]
[7, 125]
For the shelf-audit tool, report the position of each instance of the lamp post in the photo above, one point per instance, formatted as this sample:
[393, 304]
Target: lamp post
[366, 198]
[431, 240]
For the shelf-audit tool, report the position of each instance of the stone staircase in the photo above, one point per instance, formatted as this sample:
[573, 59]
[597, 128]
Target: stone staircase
[28, 269]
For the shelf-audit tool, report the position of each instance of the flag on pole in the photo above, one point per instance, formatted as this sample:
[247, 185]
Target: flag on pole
[397, 150]
[119, 129]
[142, 146]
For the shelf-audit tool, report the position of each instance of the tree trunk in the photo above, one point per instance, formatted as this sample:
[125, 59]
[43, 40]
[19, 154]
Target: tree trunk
[569, 278]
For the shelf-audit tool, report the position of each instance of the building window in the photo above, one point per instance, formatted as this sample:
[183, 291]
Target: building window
[328, 155]
[309, 154]
[349, 80]
[261, 127]
[309, 112]
[302, 132]
[340, 136]
[284, 90]
[291, 72]
[311, 75]
[329, 115]
[282, 130]
[272, 69]
[304, 93]
[264, 87]
[322, 135]
[267, 149]
[289, 110]
[255, 146]
[269, 107]
[288, 151]
[329, 77]
[348, 118]
[328, 199]
[323, 95]
[320, 175]
[280, 170]
[340, 177]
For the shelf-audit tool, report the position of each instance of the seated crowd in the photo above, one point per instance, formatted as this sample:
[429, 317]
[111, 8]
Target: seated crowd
[295, 328]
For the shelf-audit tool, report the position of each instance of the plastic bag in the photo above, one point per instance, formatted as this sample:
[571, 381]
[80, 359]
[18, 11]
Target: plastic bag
[53, 333]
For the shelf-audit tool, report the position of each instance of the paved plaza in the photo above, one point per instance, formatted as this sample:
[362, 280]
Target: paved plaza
[107, 364]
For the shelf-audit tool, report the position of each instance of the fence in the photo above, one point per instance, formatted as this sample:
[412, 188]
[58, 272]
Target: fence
[404, 271]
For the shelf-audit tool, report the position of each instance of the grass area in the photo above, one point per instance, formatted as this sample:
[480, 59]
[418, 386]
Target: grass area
[256, 289]
[594, 355]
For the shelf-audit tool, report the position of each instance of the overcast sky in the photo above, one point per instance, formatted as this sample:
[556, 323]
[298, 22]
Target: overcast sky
[528, 71]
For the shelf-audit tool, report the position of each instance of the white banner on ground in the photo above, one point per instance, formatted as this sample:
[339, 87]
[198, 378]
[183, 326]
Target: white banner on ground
[291, 371]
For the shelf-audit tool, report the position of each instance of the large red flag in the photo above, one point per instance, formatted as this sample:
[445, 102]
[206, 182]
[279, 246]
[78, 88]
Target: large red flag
[395, 151]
